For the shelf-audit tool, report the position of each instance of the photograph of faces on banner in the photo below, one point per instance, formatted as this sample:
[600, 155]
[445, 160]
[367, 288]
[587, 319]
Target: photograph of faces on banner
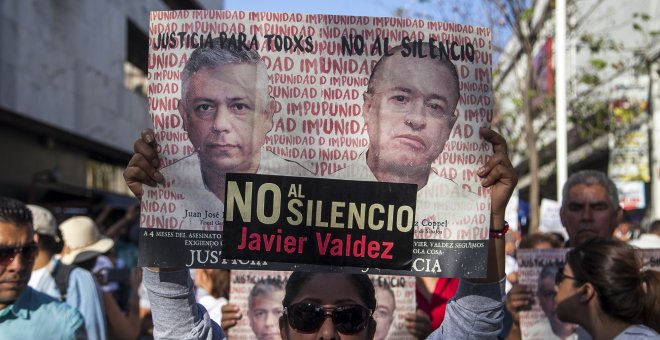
[259, 296]
[316, 110]
[351, 98]
[538, 268]
[650, 258]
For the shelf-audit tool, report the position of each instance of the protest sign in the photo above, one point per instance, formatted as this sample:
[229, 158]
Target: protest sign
[259, 294]
[537, 268]
[550, 220]
[298, 97]
[263, 222]
[650, 258]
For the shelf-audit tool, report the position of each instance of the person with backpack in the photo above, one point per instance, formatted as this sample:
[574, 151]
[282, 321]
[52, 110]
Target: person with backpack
[68, 283]
[83, 245]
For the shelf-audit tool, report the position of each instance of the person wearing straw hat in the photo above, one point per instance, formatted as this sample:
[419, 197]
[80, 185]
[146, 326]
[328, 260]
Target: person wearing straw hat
[80, 290]
[83, 241]
[83, 244]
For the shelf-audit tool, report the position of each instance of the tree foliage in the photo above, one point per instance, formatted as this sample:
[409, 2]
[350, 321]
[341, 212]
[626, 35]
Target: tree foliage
[524, 111]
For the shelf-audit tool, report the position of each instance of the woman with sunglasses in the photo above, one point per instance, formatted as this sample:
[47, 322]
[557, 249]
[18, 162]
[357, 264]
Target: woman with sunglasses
[604, 289]
[325, 306]
[341, 306]
[328, 306]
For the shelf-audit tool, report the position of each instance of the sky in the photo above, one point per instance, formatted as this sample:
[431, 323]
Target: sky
[379, 8]
[426, 9]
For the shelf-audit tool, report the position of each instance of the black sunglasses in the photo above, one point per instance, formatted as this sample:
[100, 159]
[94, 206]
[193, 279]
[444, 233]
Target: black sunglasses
[560, 276]
[309, 317]
[28, 251]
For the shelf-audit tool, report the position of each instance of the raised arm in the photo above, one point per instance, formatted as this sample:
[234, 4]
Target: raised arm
[498, 175]
[477, 309]
[175, 313]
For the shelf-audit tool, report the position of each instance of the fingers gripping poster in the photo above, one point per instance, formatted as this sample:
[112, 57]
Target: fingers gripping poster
[254, 112]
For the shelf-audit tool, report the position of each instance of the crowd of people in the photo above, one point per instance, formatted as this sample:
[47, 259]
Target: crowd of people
[66, 279]
[219, 91]
[590, 213]
[602, 292]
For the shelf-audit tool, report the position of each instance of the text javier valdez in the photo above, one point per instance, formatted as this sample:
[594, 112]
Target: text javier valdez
[319, 221]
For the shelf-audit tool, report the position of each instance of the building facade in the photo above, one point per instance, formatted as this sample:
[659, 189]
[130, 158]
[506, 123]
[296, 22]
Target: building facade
[612, 51]
[73, 95]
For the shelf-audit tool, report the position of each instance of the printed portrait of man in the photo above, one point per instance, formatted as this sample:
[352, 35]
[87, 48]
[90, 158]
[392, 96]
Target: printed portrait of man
[226, 111]
[265, 308]
[410, 110]
[385, 306]
[550, 327]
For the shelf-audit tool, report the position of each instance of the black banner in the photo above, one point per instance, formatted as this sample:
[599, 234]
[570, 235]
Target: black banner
[319, 221]
[187, 248]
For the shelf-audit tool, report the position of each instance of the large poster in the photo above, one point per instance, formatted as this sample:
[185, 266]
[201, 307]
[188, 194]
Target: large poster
[537, 269]
[650, 258]
[629, 144]
[259, 296]
[352, 99]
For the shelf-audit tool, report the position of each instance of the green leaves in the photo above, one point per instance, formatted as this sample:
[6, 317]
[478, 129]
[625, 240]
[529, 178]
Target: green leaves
[527, 15]
[643, 16]
[591, 118]
[589, 79]
[598, 64]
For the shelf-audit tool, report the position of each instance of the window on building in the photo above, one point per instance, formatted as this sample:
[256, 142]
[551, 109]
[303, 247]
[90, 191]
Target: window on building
[135, 66]
[105, 176]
